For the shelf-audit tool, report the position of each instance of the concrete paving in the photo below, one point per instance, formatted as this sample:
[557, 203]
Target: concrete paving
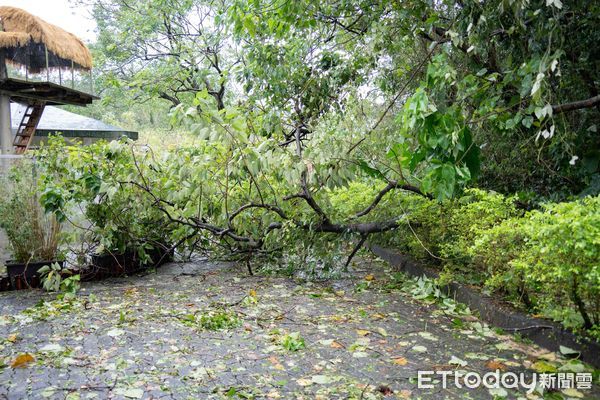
[207, 330]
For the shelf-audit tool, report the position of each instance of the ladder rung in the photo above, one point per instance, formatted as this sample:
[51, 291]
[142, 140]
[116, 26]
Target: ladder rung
[26, 131]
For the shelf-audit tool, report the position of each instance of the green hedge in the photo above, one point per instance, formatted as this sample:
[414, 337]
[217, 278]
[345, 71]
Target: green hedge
[546, 261]
[550, 258]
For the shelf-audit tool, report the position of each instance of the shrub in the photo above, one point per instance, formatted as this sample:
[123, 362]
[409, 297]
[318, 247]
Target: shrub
[551, 257]
[55, 278]
[100, 180]
[443, 232]
[32, 234]
[547, 260]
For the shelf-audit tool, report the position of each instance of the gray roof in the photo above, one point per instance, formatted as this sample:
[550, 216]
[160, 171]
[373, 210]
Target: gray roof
[69, 124]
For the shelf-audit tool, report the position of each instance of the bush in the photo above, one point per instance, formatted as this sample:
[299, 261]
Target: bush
[546, 260]
[100, 181]
[32, 234]
[443, 232]
[555, 252]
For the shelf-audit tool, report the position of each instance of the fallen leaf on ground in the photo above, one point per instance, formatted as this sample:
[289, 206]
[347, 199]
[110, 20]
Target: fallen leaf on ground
[498, 392]
[543, 366]
[369, 278]
[567, 351]
[494, 365]
[52, 348]
[385, 390]
[276, 363]
[400, 361]
[550, 356]
[22, 360]
[457, 361]
[419, 349]
[573, 393]
[115, 332]
[362, 332]
[134, 393]
[382, 331]
[304, 382]
[321, 379]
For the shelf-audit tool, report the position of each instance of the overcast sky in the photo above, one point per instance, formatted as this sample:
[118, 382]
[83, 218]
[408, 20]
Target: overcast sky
[64, 13]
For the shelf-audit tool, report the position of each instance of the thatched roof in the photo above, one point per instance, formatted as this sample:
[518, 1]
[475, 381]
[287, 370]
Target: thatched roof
[22, 28]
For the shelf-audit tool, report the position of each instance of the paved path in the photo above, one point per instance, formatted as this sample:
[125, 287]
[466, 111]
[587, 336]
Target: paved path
[159, 337]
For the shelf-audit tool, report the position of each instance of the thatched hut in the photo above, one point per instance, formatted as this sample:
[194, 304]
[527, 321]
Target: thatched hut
[40, 64]
[31, 42]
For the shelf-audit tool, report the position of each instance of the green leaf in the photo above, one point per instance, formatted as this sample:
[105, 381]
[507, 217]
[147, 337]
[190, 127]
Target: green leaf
[372, 172]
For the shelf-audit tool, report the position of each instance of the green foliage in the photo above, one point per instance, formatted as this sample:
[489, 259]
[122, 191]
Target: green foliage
[97, 179]
[464, 218]
[438, 134]
[306, 111]
[58, 279]
[213, 320]
[474, 75]
[545, 260]
[555, 254]
[46, 310]
[292, 341]
[349, 200]
[429, 84]
[156, 52]
[33, 235]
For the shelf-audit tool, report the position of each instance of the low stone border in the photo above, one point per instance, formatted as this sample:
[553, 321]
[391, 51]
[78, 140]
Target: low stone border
[548, 334]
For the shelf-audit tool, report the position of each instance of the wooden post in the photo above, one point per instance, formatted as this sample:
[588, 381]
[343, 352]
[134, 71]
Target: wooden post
[6, 137]
[5, 123]
[47, 69]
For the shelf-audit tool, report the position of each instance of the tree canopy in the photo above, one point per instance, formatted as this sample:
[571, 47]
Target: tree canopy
[442, 81]
[324, 123]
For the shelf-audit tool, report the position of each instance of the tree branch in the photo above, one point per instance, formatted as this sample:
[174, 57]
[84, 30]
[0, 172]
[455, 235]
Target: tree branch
[576, 105]
[269, 207]
[390, 186]
[360, 243]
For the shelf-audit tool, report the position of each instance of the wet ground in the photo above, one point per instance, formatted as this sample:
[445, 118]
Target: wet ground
[208, 330]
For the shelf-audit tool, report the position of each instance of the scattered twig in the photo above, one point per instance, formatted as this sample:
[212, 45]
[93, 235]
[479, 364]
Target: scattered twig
[527, 328]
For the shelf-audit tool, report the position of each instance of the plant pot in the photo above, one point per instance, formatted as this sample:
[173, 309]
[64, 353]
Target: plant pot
[5, 283]
[113, 264]
[117, 264]
[24, 276]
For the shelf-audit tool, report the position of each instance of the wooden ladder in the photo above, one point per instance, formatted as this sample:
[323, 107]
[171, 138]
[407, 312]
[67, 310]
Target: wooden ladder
[29, 123]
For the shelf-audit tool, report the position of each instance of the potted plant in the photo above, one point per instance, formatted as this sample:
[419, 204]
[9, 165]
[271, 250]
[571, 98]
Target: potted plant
[130, 239]
[126, 231]
[32, 234]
